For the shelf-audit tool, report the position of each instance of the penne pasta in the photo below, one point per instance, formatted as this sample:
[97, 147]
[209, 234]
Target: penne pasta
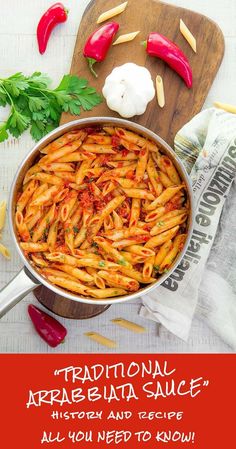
[102, 212]
[126, 38]
[162, 253]
[75, 272]
[165, 197]
[135, 212]
[160, 91]
[112, 252]
[63, 140]
[129, 325]
[98, 149]
[188, 35]
[170, 257]
[164, 225]
[139, 193]
[170, 170]
[140, 250]
[4, 251]
[158, 240]
[30, 247]
[26, 195]
[148, 267]
[153, 176]
[100, 339]
[68, 284]
[118, 280]
[62, 151]
[3, 208]
[141, 164]
[44, 224]
[112, 12]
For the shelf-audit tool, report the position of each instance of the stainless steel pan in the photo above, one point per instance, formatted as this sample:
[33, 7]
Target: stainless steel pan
[28, 278]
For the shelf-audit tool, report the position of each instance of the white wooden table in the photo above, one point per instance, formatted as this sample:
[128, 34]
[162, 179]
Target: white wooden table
[18, 52]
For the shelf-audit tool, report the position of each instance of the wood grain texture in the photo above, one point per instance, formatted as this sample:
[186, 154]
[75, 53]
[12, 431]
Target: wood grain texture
[151, 15]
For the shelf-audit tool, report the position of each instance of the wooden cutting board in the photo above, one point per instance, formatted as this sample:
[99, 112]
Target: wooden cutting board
[181, 103]
[151, 15]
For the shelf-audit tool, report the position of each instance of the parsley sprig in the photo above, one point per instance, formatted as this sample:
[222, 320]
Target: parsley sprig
[33, 105]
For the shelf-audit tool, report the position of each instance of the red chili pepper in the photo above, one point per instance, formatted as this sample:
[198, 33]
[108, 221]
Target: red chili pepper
[161, 47]
[98, 44]
[55, 14]
[47, 327]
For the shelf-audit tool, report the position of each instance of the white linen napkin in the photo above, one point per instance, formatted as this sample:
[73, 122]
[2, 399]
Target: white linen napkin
[205, 280]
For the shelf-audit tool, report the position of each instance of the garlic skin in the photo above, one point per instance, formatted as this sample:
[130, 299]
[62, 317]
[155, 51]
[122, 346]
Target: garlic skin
[128, 90]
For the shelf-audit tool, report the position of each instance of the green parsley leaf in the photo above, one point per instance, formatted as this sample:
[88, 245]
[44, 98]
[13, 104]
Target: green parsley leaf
[101, 263]
[17, 123]
[33, 104]
[3, 132]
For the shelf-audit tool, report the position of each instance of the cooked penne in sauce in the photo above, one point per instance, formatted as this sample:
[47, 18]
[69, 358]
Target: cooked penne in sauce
[102, 213]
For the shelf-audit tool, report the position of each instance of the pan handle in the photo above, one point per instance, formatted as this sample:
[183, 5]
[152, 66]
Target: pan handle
[16, 290]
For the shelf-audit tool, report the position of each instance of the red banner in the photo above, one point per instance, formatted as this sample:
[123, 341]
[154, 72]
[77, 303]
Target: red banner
[123, 401]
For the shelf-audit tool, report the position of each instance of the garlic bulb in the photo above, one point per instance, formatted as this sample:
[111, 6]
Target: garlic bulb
[128, 89]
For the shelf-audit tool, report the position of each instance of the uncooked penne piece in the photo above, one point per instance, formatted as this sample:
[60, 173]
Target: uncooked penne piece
[126, 38]
[4, 251]
[98, 338]
[158, 240]
[134, 327]
[112, 12]
[31, 247]
[3, 208]
[160, 91]
[226, 107]
[188, 35]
